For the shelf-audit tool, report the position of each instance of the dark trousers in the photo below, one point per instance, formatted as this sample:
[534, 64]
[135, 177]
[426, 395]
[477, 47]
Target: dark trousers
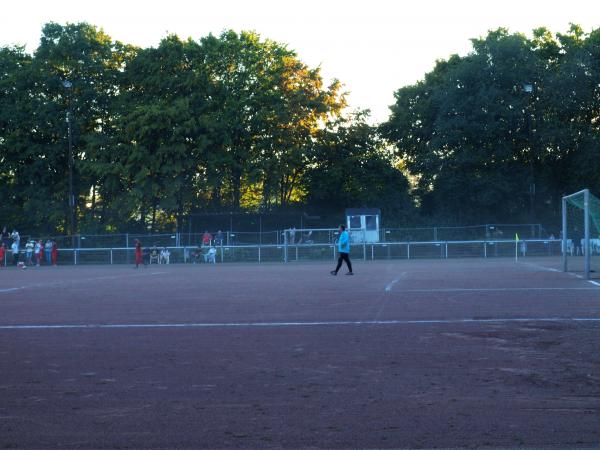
[344, 257]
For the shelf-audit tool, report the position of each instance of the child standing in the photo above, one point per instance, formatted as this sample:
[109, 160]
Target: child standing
[48, 252]
[29, 252]
[37, 252]
[54, 253]
[138, 253]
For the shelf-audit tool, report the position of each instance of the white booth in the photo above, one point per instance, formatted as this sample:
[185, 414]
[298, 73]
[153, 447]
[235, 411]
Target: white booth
[363, 224]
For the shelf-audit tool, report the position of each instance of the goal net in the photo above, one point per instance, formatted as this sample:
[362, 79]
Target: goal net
[581, 234]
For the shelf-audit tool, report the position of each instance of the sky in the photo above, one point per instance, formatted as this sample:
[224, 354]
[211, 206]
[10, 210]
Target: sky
[373, 47]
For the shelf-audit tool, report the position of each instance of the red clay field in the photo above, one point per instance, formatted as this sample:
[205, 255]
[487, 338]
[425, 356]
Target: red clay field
[405, 354]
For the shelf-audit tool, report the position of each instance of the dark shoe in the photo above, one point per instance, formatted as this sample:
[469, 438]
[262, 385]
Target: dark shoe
[350, 273]
[333, 272]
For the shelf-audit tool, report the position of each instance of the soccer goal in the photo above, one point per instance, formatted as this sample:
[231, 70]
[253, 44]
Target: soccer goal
[581, 234]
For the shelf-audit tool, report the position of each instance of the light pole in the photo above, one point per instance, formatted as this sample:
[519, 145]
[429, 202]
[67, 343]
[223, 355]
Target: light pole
[68, 86]
[528, 89]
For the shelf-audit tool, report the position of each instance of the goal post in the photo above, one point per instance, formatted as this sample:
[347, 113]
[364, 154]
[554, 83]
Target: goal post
[580, 232]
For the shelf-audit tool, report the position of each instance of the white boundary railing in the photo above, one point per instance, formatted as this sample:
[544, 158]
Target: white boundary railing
[322, 252]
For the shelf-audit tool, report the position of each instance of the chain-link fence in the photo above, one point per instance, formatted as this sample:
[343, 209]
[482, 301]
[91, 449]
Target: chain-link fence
[315, 252]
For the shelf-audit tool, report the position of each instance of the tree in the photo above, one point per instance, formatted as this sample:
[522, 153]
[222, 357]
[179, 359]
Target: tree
[488, 134]
[350, 167]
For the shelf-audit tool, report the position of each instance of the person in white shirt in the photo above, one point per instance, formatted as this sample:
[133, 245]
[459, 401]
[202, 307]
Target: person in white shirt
[37, 250]
[15, 251]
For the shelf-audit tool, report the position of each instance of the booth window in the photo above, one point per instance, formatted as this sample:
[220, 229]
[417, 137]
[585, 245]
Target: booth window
[355, 222]
[371, 222]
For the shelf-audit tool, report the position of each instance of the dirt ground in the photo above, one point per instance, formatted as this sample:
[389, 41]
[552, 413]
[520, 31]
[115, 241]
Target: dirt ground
[405, 354]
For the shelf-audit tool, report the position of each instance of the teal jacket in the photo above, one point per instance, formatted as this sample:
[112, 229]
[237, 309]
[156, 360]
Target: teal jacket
[344, 242]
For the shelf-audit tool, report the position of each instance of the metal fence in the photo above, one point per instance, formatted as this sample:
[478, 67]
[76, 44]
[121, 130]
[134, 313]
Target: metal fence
[320, 252]
[306, 236]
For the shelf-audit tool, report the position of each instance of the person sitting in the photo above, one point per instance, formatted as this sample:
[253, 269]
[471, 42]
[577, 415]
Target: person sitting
[210, 255]
[307, 238]
[206, 239]
[154, 255]
[146, 256]
[196, 255]
[165, 255]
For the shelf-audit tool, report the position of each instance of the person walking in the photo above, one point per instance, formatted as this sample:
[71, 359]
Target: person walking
[344, 251]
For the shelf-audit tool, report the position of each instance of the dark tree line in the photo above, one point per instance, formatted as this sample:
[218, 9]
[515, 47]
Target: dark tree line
[225, 123]
[238, 123]
[501, 134]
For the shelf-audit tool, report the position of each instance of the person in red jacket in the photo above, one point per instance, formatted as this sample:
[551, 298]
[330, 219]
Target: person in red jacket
[2, 254]
[54, 253]
[138, 253]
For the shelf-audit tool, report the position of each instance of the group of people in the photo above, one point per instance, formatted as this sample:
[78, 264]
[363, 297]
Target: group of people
[208, 239]
[147, 255]
[207, 251]
[36, 251]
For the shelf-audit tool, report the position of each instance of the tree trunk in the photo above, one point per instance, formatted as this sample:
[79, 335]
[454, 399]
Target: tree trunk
[93, 208]
[154, 202]
[236, 183]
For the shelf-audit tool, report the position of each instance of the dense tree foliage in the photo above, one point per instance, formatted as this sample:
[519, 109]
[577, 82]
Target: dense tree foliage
[238, 123]
[225, 123]
[501, 134]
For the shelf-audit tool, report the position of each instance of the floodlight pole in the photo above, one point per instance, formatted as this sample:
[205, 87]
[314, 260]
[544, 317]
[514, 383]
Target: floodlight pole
[528, 89]
[68, 85]
[564, 234]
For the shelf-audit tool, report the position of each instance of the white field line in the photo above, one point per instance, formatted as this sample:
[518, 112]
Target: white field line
[391, 284]
[77, 281]
[595, 283]
[516, 289]
[537, 266]
[298, 324]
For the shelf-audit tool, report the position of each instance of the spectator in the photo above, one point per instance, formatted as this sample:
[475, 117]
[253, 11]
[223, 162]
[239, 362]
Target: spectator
[5, 237]
[293, 235]
[165, 256]
[29, 252]
[138, 253]
[37, 252]
[2, 254]
[154, 255]
[146, 256]
[219, 238]
[206, 239]
[15, 236]
[54, 256]
[48, 252]
[576, 239]
[15, 252]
